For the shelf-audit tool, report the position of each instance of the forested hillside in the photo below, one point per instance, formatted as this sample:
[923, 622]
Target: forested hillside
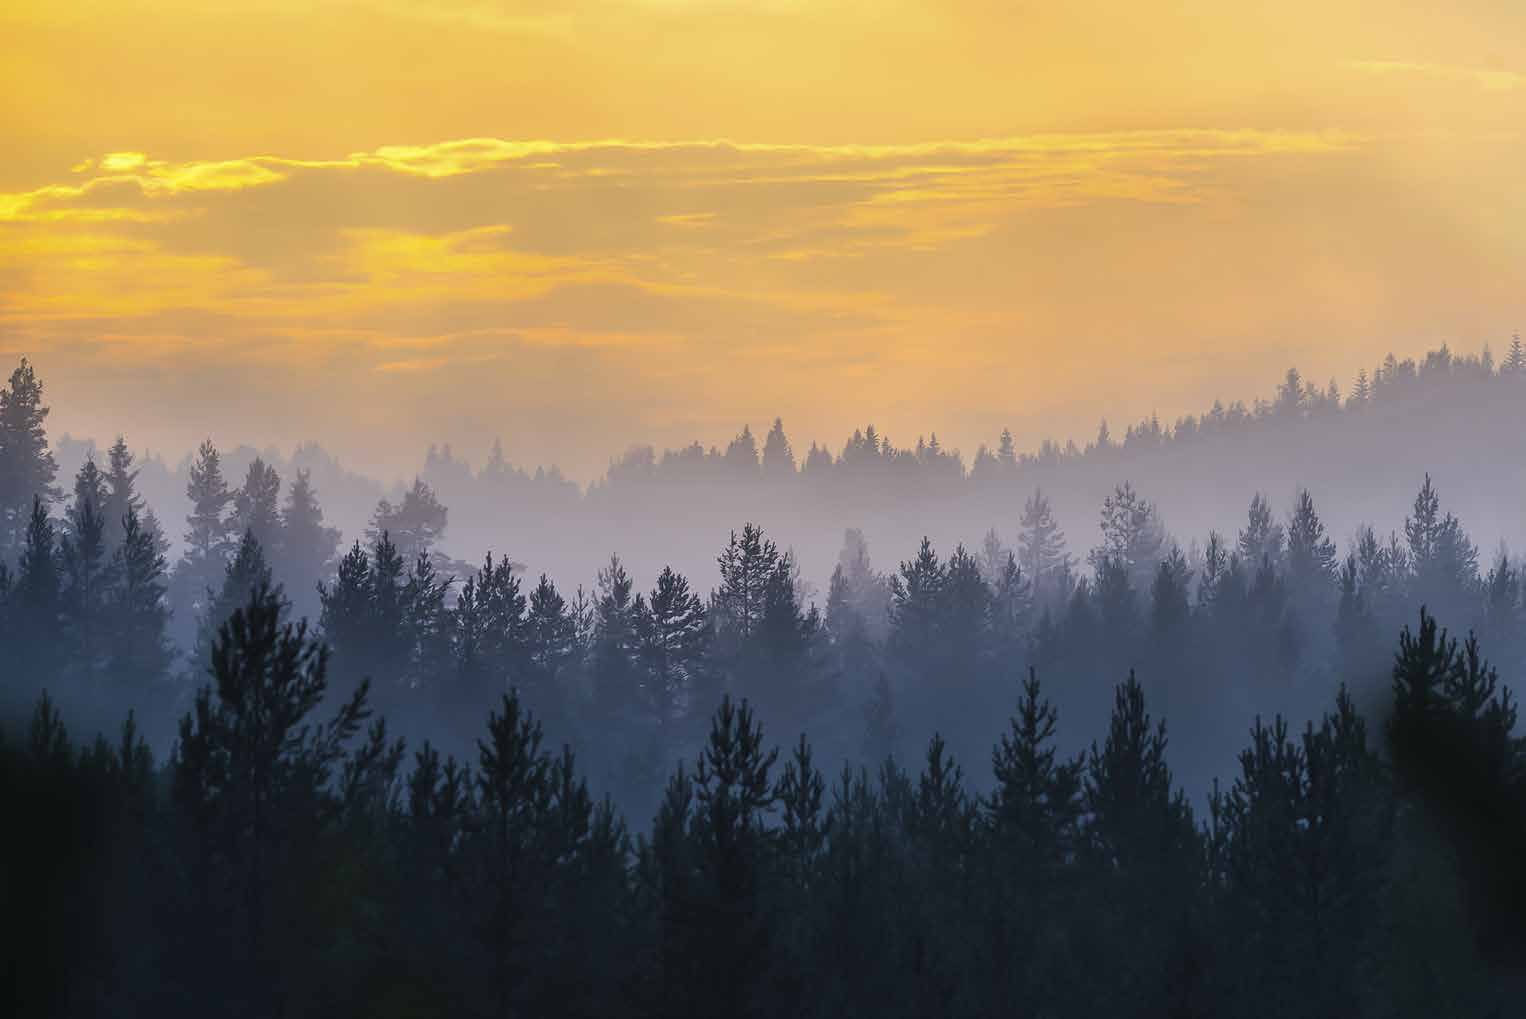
[1078, 764]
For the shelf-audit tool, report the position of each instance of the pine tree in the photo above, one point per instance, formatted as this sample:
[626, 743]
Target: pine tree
[347, 606]
[552, 634]
[121, 492]
[250, 774]
[1361, 392]
[1290, 395]
[1033, 819]
[1355, 628]
[993, 556]
[1215, 568]
[778, 457]
[1262, 539]
[1443, 560]
[1311, 557]
[1035, 810]
[733, 941]
[1300, 854]
[87, 581]
[1132, 535]
[140, 648]
[1040, 543]
[915, 595]
[416, 524]
[513, 793]
[209, 535]
[1515, 361]
[780, 667]
[36, 601]
[672, 635]
[488, 631]
[27, 467]
[742, 453]
[245, 573]
[1168, 597]
[90, 489]
[1011, 605]
[256, 507]
[307, 546]
[1141, 849]
[747, 566]
[1006, 453]
[965, 617]
[209, 540]
[615, 678]
[424, 642]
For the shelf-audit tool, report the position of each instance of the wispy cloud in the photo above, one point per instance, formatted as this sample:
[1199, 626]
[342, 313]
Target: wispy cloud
[607, 264]
[1484, 78]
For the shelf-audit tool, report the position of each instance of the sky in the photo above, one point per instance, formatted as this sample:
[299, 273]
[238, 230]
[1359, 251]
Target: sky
[573, 226]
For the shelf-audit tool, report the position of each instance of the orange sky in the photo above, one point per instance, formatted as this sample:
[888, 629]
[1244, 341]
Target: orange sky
[580, 224]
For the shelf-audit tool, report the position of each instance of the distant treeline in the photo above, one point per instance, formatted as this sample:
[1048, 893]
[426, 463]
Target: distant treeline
[1200, 467]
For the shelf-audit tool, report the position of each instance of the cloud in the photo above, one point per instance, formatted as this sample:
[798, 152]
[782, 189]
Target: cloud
[481, 270]
[1484, 78]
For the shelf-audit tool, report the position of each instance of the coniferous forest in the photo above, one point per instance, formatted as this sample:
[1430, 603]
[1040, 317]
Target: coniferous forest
[251, 766]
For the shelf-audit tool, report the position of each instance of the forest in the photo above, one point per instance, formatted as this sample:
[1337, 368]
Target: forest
[266, 768]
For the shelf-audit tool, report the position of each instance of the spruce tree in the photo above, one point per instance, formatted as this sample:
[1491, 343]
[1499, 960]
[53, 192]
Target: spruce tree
[256, 507]
[209, 539]
[416, 524]
[347, 607]
[140, 648]
[733, 940]
[1142, 853]
[1443, 560]
[552, 634]
[747, 566]
[246, 572]
[1040, 544]
[1515, 362]
[1361, 393]
[672, 635]
[1262, 540]
[778, 457]
[1006, 453]
[87, 580]
[615, 678]
[513, 792]
[742, 453]
[250, 777]
[488, 632]
[307, 546]
[916, 601]
[1034, 818]
[90, 489]
[1311, 557]
[1132, 535]
[121, 492]
[36, 601]
[1168, 598]
[27, 467]
[1010, 607]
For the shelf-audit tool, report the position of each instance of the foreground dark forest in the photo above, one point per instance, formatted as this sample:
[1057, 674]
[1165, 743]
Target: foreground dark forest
[358, 786]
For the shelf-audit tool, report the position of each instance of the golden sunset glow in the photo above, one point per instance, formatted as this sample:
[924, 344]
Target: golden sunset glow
[576, 225]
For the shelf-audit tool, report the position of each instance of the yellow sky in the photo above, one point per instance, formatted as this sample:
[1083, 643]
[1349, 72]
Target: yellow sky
[382, 223]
